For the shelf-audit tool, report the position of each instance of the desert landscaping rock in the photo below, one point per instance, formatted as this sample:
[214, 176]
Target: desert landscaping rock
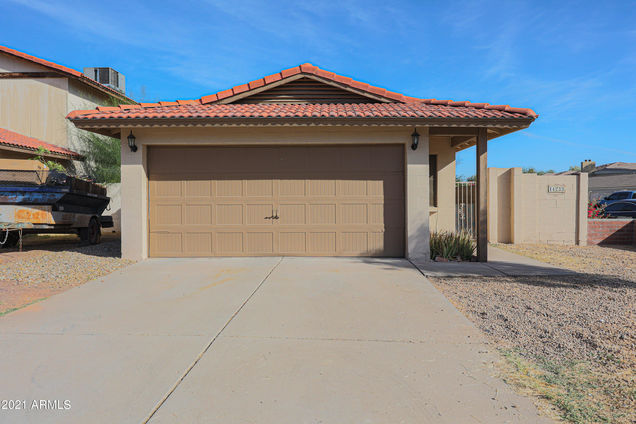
[32, 275]
[619, 261]
[588, 317]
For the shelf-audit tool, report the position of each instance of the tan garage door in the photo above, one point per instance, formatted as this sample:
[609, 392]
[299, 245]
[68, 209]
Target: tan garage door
[296, 201]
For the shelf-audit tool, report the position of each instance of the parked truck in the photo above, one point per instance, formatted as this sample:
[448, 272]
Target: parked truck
[34, 200]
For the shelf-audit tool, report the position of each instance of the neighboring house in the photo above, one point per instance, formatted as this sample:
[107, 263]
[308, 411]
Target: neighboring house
[303, 162]
[35, 97]
[607, 179]
[18, 146]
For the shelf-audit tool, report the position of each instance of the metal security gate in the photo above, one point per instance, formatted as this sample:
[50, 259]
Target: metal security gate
[466, 207]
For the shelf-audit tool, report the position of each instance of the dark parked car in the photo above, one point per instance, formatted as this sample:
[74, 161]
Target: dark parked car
[617, 196]
[621, 209]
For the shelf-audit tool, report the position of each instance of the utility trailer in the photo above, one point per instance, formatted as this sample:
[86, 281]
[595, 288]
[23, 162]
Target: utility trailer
[44, 201]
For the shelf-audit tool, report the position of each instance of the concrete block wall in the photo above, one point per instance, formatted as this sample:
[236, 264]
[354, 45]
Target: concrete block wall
[611, 231]
[522, 209]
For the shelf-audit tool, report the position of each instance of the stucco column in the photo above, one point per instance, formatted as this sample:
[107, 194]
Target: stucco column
[516, 208]
[582, 201]
[417, 198]
[134, 208]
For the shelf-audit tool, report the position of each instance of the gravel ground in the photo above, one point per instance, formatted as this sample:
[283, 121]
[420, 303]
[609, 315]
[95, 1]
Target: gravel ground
[34, 274]
[619, 261]
[588, 317]
[568, 316]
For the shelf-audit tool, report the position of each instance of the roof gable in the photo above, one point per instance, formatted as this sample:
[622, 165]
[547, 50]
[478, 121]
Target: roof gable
[306, 71]
[304, 89]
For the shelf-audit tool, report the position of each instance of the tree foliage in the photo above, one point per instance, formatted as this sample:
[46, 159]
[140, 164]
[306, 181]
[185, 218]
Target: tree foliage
[538, 172]
[103, 157]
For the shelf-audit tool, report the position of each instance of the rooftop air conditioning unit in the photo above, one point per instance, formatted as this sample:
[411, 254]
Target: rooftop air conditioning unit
[108, 77]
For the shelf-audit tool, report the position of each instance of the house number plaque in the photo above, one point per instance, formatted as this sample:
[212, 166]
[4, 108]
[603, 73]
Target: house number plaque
[556, 189]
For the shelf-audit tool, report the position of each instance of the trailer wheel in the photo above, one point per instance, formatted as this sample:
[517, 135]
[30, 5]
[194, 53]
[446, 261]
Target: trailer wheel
[94, 232]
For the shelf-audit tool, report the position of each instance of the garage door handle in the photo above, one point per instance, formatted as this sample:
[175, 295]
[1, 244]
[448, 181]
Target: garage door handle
[276, 214]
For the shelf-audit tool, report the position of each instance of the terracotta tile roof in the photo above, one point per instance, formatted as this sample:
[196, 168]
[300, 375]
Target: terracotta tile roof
[14, 139]
[310, 70]
[219, 105]
[168, 110]
[66, 71]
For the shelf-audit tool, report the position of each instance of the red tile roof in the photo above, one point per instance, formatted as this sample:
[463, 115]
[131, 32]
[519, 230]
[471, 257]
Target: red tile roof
[14, 139]
[66, 71]
[300, 110]
[309, 70]
[219, 105]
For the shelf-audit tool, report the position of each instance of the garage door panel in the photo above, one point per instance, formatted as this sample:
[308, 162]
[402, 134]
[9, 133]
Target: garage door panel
[197, 243]
[260, 242]
[393, 187]
[198, 188]
[292, 214]
[393, 212]
[291, 242]
[353, 213]
[322, 214]
[166, 214]
[329, 201]
[229, 188]
[259, 214]
[352, 158]
[354, 243]
[229, 214]
[292, 188]
[322, 188]
[198, 214]
[166, 188]
[322, 243]
[229, 243]
[165, 244]
[259, 188]
[387, 159]
[352, 188]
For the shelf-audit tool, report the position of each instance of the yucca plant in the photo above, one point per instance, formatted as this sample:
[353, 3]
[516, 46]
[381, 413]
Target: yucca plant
[452, 246]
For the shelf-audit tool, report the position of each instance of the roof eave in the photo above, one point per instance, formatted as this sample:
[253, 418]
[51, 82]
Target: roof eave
[302, 121]
[111, 127]
[30, 150]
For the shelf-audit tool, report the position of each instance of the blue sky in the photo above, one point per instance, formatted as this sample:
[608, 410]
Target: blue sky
[574, 63]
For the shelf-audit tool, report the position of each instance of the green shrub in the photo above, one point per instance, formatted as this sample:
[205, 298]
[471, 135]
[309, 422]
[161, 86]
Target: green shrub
[51, 164]
[452, 246]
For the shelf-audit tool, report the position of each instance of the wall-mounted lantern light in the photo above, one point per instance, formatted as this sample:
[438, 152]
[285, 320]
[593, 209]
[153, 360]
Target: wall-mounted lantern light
[131, 142]
[416, 139]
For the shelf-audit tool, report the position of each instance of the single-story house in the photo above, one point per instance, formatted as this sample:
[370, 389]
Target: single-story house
[301, 162]
[609, 178]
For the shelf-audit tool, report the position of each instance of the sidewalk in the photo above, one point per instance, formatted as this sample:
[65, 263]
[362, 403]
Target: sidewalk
[500, 263]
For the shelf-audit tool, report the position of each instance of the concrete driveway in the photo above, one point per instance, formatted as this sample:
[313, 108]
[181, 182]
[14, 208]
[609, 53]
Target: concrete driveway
[253, 340]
